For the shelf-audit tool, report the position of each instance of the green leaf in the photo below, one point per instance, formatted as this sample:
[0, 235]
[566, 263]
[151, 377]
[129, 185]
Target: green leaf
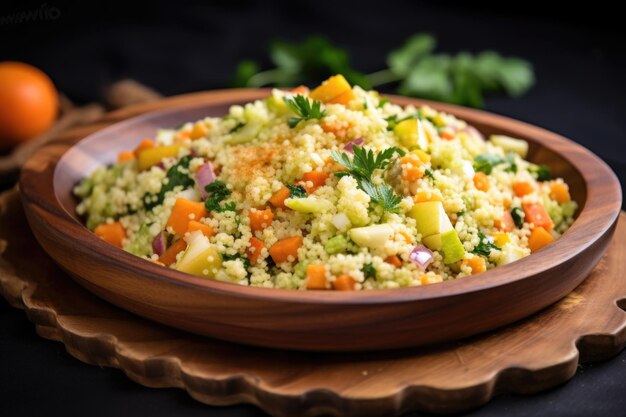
[429, 79]
[175, 178]
[518, 216]
[218, 192]
[296, 191]
[306, 109]
[485, 245]
[369, 271]
[403, 59]
[540, 172]
[383, 195]
[244, 71]
[516, 76]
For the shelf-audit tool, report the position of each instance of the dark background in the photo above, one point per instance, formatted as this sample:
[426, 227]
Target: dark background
[183, 46]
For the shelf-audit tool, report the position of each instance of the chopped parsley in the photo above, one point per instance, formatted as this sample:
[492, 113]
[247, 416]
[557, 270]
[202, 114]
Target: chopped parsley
[486, 162]
[244, 260]
[429, 174]
[540, 172]
[305, 109]
[218, 192]
[518, 216]
[485, 245]
[362, 166]
[177, 175]
[296, 191]
[369, 271]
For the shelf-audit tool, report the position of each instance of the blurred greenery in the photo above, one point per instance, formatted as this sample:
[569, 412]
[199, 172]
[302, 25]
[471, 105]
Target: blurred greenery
[414, 69]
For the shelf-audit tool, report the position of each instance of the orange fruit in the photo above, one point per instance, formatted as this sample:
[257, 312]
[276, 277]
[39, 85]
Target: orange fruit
[29, 103]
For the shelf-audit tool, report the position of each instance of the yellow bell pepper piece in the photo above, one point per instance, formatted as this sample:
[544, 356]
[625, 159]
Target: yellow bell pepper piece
[152, 156]
[334, 88]
[500, 239]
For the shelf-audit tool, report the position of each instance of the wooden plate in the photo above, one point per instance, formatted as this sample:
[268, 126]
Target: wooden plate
[330, 321]
[531, 355]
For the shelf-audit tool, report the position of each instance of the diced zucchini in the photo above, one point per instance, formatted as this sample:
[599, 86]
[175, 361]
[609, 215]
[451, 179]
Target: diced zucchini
[309, 205]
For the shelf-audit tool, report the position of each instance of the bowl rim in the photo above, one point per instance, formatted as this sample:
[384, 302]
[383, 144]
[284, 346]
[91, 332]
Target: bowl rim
[586, 162]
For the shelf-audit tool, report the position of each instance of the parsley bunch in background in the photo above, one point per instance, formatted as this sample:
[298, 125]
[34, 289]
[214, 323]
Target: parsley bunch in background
[414, 69]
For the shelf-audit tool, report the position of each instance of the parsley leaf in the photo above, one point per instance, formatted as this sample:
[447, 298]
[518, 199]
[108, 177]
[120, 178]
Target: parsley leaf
[218, 192]
[540, 172]
[244, 260]
[518, 216]
[485, 245]
[429, 174]
[362, 167]
[305, 109]
[486, 162]
[296, 191]
[175, 177]
[383, 195]
[369, 271]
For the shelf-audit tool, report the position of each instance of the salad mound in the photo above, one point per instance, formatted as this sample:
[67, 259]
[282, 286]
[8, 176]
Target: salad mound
[334, 188]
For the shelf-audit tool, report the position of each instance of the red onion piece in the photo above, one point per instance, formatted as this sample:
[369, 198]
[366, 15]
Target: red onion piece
[204, 176]
[159, 243]
[350, 145]
[421, 256]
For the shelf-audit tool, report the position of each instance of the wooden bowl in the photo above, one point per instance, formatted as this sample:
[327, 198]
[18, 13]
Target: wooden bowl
[316, 320]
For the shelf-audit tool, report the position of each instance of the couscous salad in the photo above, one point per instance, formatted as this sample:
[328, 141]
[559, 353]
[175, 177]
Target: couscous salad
[334, 188]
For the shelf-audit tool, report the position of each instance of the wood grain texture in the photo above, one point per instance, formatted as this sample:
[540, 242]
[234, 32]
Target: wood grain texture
[307, 320]
[529, 356]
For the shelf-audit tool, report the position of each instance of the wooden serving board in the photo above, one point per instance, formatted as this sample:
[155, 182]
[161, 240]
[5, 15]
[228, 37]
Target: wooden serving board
[529, 356]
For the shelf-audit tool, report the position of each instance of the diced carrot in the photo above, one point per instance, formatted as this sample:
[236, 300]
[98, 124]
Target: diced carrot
[500, 239]
[505, 223]
[182, 135]
[145, 144]
[112, 233]
[182, 213]
[125, 156]
[198, 131]
[318, 178]
[206, 230]
[301, 89]
[412, 167]
[285, 249]
[169, 256]
[279, 197]
[260, 219]
[254, 250]
[430, 279]
[539, 238]
[331, 89]
[315, 277]
[343, 98]
[477, 264]
[481, 181]
[559, 192]
[537, 215]
[447, 135]
[425, 195]
[344, 283]
[522, 188]
[394, 260]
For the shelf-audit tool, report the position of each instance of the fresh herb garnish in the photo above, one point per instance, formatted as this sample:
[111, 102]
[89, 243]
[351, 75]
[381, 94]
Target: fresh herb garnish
[218, 192]
[305, 109]
[540, 172]
[393, 121]
[175, 177]
[369, 271]
[486, 162]
[414, 69]
[237, 127]
[362, 166]
[518, 216]
[485, 245]
[429, 174]
[296, 191]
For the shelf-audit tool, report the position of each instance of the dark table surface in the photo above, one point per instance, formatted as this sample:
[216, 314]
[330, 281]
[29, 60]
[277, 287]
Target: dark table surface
[177, 47]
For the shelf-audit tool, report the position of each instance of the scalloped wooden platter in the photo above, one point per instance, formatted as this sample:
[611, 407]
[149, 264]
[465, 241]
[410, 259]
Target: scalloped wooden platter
[535, 354]
[312, 320]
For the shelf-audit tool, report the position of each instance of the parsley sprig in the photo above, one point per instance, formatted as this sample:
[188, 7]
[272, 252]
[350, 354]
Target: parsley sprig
[177, 175]
[413, 69]
[305, 109]
[218, 192]
[296, 191]
[362, 166]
